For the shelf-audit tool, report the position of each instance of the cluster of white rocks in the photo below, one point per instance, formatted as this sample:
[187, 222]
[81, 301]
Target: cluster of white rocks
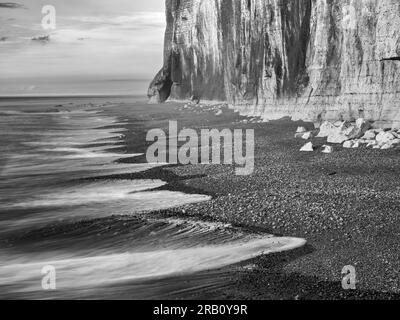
[351, 135]
[219, 109]
[202, 108]
[377, 139]
[249, 120]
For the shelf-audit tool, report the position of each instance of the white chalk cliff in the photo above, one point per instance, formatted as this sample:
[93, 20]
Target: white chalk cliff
[307, 59]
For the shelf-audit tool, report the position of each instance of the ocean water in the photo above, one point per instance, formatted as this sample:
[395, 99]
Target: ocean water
[58, 213]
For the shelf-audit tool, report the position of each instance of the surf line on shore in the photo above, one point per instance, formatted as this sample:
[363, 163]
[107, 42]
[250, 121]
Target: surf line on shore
[159, 248]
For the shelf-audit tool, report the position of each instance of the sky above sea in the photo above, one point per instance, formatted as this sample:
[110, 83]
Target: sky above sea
[97, 47]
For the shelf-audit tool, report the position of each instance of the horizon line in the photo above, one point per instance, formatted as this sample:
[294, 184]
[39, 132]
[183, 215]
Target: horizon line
[71, 96]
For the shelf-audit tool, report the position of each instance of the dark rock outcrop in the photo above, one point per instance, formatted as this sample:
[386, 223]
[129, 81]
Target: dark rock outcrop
[308, 59]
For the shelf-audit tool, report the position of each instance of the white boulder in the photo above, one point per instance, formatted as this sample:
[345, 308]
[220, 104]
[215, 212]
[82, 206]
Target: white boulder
[304, 135]
[369, 135]
[385, 137]
[301, 130]
[327, 149]
[326, 129]
[340, 133]
[356, 145]
[348, 144]
[360, 128]
[309, 147]
[337, 138]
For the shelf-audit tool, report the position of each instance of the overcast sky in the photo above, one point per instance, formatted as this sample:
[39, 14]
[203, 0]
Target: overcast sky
[101, 39]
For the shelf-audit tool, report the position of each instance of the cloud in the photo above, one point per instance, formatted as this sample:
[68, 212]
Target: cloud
[138, 19]
[10, 5]
[138, 28]
[83, 44]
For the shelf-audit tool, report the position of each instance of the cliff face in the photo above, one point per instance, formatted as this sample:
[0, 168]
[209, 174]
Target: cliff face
[308, 59]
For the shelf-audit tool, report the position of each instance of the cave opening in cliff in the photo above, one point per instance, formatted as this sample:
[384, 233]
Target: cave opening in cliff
[165, 90]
